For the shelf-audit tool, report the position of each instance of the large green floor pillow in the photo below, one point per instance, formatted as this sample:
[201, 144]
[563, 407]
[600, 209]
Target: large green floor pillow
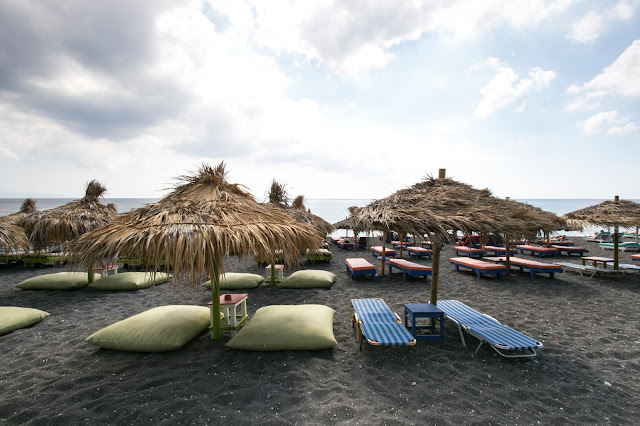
[287, 327]
[237, 281]
[309, 278]
[13, 318]
[161, 329]
[58, 281]
[130, 281]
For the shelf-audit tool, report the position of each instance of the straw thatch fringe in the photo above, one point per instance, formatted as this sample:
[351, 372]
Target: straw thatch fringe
[13, 238]
[623, 213]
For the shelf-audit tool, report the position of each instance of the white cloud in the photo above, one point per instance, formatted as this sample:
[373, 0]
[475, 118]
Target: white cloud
[608, 122]
[587, 29]
[506, 87]
[592, 25]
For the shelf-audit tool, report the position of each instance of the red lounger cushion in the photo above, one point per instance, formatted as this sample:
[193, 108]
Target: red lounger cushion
[419, 250]
[405, 264]
[468, 249]
[532, 263]
[378, 249]
[359, 264]
[478, 264]
[537, 248]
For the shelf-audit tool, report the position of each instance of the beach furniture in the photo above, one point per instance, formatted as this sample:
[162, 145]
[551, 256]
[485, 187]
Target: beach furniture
[468, 251]
[346, 245]
[359, 266]
[627, 246]
[600, 237]
[377, 250]
[629, 267]
[363, 242]
[319, 255]
[409, 268]
[404, 244]
[635, 257]
[414, 311]
[419, 252]
[593, 270]
[534, 267]
[539, 250]
[378, 324]
[503, 339]
[569, 250]
[500, 251]
[480, 267]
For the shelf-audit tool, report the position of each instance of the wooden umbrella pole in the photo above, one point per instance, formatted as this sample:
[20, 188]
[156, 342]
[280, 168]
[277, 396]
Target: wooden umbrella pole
[615, 248]
[384, 251]
[216, 326]
[435, 270]
[90, 274]
[272, 274]
[400, 238]
[508, 254]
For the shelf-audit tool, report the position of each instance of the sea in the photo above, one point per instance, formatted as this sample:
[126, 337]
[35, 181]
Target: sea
[331, 210]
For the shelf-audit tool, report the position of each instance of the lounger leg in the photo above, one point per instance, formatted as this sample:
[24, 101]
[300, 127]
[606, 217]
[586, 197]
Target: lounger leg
[478, 348]
[533, 274]
[461, 335]
[478, 274]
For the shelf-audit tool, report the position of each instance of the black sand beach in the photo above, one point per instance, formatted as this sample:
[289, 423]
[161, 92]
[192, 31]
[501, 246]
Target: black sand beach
[587, 372]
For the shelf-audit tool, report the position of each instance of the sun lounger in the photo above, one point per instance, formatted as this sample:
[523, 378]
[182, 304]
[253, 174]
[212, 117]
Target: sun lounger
[359, 266]
[377, 250]
[539, 250]
[503, 339]
[363, 242]
[629, 267]
[378, 324]
[419, 252]
[480, 267]
[593, 270]
[468, 251]
[571, 250]
[404, 244]
[535, 267]
[600, 237]
[409, 268]
[628, 246]
[500, 251]
[319, 255]
[635, 257]
[346, 245]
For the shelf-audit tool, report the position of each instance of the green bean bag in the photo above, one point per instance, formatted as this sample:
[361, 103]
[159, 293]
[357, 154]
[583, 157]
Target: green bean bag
[130, 281]
[58, 281]
[13, 318]
[161, 329]
[309, 278]
[237, 281]
[287, 327]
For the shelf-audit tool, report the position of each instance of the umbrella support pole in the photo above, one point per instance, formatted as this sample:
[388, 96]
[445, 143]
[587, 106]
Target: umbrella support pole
[216, 326]
[435, 270]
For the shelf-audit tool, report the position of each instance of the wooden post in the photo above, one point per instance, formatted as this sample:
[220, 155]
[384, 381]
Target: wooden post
[384, 251]
[508, 254]
[615, 242]
[435, 269]
[442, 173]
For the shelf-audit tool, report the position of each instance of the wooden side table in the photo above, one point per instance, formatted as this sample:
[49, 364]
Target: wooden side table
[232, 319]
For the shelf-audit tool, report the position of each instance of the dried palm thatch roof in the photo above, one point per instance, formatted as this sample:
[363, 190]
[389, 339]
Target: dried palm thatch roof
[194, 227]
[28, 207]
[69, 221]
[278, 196]
[623, 213]
[13, 237]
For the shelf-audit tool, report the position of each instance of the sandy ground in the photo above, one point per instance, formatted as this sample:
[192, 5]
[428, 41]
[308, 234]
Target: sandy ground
[587, 372]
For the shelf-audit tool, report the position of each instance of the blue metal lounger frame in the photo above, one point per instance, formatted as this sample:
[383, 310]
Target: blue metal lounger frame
[378, 324]
[504, 340]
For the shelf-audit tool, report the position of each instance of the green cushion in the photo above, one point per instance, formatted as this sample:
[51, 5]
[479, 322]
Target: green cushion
[309, 278]
[165, 328]
[13, 318]
[130, 281]
[287, 327]
[58, 281]
[237, 281]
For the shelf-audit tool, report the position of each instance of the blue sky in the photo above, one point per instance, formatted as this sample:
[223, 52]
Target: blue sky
[335, 99]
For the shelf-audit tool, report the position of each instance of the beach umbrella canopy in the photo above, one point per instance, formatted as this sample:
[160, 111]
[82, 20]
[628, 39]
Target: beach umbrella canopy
[278, 196]
[192, 228]
[438, 206]
[12, 237]
[69, 221]
[28, 207]
[610, 213]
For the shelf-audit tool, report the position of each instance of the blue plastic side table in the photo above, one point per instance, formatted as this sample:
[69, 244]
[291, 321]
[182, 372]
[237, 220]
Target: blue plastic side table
[412, 311]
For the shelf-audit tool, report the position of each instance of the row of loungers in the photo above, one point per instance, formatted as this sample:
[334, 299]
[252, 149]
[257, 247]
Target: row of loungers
[497, 266]
[380, 326]
[360, 266]
[534, 250]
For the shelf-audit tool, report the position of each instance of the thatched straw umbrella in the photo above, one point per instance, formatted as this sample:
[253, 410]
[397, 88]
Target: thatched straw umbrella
[194, 227]
[13, 237]
[435, 207]
[69, 221]
[28, 207]
[609, 213]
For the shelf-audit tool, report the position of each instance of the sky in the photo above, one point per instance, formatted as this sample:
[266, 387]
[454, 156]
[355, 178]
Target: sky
[333, 99]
